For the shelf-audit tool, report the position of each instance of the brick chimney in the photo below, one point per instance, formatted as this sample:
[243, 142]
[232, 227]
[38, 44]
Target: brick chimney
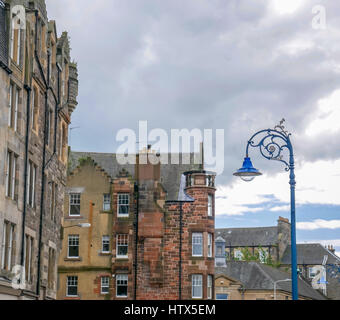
[283, 236]
[148, 165]
[331, 249]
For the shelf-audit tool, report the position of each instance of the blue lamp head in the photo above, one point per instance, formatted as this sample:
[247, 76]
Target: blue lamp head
[247, 172]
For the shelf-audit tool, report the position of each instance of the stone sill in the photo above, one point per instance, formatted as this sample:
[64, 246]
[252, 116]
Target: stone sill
[74, 259]
[106, 212]
[105, 254]
[122, 259]
[70, 218]
[72, 298]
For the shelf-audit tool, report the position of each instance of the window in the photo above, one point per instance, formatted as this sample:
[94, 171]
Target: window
[11, 168]
[122, 245]
[13, 107]
[222, 296]
[209, 287]
[74, 204]
[123, 205]
[238, 255]
[105, 244]
[121, 285]
[7, 246]
[72, 286]
[197, 286]
[219, 250]
[210, 245]
[197, 244]
[53, 201]
[51, 268]
[29, 245]
[31, 179]
[15, 51]
[263, 255]
[107, 202]
[312, 272]
[73, 246]
[210, 205]
[105, 285]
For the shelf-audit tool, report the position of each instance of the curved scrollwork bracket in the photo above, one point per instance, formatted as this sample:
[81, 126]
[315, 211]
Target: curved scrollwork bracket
[272, 143]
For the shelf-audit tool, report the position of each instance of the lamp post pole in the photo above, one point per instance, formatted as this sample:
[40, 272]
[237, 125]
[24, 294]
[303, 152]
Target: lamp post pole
[272, 143]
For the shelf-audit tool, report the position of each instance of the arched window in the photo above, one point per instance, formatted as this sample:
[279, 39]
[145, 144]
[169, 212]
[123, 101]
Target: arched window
[16, 34]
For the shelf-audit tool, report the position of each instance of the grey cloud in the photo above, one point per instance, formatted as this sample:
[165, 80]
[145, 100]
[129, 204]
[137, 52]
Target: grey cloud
[218, 64]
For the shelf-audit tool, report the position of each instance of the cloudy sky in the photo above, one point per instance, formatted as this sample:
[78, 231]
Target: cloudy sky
[237, 65]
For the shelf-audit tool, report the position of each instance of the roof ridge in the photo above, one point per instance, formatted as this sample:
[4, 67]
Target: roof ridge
[259, 267]
[245, 228]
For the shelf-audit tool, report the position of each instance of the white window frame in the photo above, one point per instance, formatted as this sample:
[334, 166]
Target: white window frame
[74, 283]
[196, 281]
[263, 255]
[3, 245]
[105, 283]
[210, 205]
[209, 287]
[10, 247]
[74, 238]
[10, 112]
[12, 40]
[11, 168]
[105, 240]
[238, 254]
[210, 245]
[32, 172]
[219, 247]
[125, 278]
[119, 244]
[106, 202]
[14, 168]
[16, 109]
[310, 271]
[30, 246]
[195, 236]
[123, 204]
[72, 203]
[8, 174]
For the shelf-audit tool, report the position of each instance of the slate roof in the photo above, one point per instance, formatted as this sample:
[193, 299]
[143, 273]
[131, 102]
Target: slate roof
[257, 276]
[310, 254]
[170, 173]
[246, 237]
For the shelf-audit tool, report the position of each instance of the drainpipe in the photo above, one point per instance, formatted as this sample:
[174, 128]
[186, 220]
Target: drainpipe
[22, 255]
[136, 189]
[180, 249]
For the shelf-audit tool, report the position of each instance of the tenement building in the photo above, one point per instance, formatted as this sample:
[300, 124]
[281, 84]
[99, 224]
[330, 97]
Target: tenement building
[38, 92]
[150, 229]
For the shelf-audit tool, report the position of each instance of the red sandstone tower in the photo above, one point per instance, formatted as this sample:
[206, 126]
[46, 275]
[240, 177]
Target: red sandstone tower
[171, 247]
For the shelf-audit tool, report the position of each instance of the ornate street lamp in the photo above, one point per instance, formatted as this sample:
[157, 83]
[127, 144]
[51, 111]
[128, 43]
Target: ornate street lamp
[272, 143]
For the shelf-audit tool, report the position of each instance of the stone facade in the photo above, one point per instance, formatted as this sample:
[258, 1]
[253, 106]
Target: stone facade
[37, 80]
[145, 260]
